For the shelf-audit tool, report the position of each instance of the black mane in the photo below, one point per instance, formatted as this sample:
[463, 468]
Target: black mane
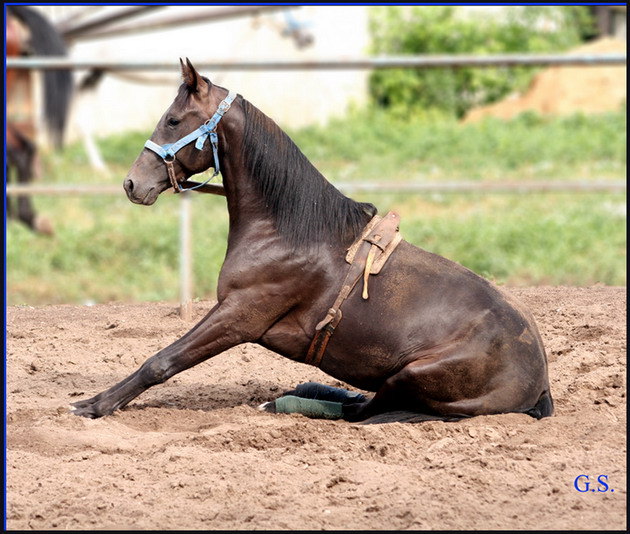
[306, 208]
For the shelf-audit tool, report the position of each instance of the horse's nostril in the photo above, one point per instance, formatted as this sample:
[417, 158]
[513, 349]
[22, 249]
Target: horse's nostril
[128, 185]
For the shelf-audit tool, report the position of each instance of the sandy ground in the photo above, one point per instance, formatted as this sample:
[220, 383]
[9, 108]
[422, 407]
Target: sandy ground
[195, 453]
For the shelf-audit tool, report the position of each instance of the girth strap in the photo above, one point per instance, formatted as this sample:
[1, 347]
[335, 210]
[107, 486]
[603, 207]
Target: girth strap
[366, 256]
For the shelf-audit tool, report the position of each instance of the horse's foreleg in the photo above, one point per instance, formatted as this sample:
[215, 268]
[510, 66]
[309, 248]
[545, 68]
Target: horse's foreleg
[224, 327]
[9, 175]
[23, 159]
[24, 171]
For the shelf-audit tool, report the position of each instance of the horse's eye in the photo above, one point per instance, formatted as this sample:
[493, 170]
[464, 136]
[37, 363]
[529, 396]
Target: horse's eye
[173, 122]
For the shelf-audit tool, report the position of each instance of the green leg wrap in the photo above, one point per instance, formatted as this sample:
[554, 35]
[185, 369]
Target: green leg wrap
[318, 409]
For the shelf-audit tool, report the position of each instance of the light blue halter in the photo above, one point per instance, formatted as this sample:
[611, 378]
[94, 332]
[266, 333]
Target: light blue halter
[207, 129]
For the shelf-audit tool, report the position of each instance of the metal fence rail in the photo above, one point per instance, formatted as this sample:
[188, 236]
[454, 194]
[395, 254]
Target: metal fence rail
[185, 231]
[95, 30]
[560, 186]
[426, 61]
[405, 62]
[486, 187]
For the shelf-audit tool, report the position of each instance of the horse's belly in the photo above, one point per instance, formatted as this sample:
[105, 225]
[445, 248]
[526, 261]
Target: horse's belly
[422, 305]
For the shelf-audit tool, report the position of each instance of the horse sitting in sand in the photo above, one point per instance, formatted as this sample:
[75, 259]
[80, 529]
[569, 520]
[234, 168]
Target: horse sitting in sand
[322, 279]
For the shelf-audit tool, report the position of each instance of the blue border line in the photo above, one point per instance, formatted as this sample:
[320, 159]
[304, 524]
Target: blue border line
[4, 430]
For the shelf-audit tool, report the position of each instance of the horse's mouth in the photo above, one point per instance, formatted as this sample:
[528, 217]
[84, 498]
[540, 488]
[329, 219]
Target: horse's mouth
[150, 196]
[146, 200]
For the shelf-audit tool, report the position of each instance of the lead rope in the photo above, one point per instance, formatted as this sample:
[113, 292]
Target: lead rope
[171, 174]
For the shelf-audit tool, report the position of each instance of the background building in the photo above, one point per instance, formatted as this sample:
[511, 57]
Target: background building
[135, 100]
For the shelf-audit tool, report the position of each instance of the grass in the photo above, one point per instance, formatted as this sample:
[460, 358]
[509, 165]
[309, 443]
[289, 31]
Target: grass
[107, 249]
[374, 146]
[558, 239]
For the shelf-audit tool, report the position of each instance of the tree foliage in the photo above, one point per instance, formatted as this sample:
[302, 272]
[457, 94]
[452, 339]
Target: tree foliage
[401, 30]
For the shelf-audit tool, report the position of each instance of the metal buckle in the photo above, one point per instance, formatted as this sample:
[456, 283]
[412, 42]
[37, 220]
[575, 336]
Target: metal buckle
[224, 107]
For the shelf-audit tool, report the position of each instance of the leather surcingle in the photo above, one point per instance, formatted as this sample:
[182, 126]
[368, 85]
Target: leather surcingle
[366, 256]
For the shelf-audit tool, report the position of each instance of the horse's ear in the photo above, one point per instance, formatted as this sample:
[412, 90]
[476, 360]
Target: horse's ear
[191, 77]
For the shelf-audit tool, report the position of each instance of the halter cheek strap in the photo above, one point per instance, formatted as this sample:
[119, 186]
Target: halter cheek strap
[207, 130]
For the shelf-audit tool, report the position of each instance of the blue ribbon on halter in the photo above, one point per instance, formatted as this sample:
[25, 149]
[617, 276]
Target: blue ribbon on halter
[207, 130]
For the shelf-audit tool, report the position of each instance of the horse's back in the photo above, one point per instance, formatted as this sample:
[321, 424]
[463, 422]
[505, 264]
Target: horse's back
[436, 297]
[448, 298]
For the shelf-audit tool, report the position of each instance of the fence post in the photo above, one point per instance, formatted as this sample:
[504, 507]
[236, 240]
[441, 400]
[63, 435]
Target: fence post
[185, 262]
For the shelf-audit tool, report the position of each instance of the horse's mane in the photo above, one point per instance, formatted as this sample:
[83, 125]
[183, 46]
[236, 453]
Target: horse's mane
[306, 208]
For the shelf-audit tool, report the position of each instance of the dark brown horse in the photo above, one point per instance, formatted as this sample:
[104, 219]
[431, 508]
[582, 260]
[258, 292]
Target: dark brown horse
[28, 32]
[433, 339]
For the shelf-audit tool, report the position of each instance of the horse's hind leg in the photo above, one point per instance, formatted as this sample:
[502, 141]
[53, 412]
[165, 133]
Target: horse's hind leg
[393, 402]
[465, 382]
[23, 159]
[445, 387]
[401, 398]
[18, 166]
[314, 390]
[314, 400]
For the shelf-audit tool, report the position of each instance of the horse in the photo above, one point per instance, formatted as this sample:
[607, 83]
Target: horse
[430, 338]
[29, 32]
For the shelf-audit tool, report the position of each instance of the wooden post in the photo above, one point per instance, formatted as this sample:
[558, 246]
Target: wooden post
[185, 262]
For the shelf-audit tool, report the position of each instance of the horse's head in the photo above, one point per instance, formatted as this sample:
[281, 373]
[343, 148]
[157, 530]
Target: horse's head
[181, 144]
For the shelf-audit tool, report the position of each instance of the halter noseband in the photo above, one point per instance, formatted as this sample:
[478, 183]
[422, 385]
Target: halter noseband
[207, 129]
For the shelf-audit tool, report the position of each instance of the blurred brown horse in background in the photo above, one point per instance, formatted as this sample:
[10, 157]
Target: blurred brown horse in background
[433, 340]
[28, 32]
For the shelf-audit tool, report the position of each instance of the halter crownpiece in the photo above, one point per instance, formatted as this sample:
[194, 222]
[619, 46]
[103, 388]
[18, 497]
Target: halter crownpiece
[207, 129]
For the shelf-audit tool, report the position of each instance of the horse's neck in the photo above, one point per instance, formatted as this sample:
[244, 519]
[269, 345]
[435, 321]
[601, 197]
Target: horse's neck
[245, 207]
[270, 180]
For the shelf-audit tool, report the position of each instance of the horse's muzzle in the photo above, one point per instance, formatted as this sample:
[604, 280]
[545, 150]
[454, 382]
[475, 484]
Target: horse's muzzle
[140, 195]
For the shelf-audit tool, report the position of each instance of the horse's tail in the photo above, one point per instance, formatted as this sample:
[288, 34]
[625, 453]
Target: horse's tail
[407, 417]
[542, 408]
[45, 40]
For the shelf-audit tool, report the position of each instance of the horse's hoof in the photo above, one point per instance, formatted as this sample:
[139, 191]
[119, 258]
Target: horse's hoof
[87, 408]
[43, 225]
[83, 412]
[269, 407]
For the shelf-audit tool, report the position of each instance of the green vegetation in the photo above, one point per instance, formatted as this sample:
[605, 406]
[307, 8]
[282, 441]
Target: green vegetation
[376, 146]
[558, 239]
[107, 249]
[397, 30]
